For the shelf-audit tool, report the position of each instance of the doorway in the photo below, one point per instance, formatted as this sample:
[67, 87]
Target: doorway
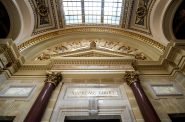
[177, 117]
[7, 118]
[111, 118]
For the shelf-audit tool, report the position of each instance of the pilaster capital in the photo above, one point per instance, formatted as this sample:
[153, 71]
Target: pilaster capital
[131, 77]
[54, 78]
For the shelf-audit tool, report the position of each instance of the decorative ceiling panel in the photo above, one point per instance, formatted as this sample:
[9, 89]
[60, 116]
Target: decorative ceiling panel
[140, 16]
[54, 14]
[45, 17]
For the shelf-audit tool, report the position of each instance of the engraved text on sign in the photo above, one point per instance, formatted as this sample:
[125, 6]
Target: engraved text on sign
[92, 92]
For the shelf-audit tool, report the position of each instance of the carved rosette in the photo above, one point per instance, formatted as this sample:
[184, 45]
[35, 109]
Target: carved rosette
[54, 78]
[131, 77]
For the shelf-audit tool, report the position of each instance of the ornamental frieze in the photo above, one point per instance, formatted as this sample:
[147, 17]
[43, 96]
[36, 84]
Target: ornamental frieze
[92, 48]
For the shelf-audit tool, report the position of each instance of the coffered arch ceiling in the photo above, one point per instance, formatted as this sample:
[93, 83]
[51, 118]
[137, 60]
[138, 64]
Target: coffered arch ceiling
[139, 22]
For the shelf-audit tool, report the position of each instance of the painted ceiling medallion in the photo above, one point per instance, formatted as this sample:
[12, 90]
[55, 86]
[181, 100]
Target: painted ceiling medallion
[91, 48]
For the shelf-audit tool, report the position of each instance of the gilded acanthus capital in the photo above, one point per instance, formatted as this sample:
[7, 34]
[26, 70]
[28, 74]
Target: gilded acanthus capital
[53, 77]
[131, 76]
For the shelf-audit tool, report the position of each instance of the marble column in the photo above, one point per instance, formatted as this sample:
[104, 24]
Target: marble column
[146, 108]
[37, 110]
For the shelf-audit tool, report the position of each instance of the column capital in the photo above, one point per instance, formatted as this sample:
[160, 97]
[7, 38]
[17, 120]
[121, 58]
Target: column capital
[54, 78]
[131, 77]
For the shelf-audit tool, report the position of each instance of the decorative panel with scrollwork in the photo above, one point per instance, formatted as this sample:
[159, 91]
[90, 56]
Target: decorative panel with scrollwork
[140, 16]
[44, 13]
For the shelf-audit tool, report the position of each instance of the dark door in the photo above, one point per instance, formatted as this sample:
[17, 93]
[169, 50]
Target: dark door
[110, 118]
[178, 117]
[95, 120]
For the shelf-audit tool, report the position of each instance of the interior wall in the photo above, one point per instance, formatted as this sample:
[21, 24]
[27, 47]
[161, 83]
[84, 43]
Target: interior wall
[19, 106]
[165, 105]
[75, 105]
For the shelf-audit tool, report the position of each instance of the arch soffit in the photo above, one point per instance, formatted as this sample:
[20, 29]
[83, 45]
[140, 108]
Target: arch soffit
[157, 17]
[21, 19]
[15, 18]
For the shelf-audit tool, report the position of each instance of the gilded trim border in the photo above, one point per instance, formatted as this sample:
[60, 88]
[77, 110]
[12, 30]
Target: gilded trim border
[66, 31]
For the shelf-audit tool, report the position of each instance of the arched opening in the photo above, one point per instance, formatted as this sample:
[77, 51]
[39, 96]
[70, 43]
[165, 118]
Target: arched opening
[179, 22]
[4, 22]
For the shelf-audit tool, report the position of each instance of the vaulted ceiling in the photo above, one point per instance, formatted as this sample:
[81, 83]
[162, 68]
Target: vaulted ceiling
[126, 25]
[54, 14]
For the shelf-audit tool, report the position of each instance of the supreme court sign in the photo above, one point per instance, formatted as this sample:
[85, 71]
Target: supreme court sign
[92, 92]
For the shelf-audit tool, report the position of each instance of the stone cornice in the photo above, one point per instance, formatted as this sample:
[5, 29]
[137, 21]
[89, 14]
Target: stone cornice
[93, 29]
[103, 51]
[38, 65]
[10, 60]
[146, 68]
[92, 60]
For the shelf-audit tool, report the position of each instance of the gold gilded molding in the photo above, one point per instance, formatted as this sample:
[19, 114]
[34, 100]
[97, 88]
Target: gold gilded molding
[111, 30]
[131, 77]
